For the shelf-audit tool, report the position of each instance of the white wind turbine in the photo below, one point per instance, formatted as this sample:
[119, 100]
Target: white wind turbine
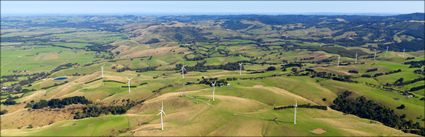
[129, 81]
[240, 68]
[213, 93]
[386, 52]
[161, 112]
[182, 70]
[356, 59]
[374, 56]
[295, 112]
[101, 69]
[404, 53]
[423, 68]
[339, 58]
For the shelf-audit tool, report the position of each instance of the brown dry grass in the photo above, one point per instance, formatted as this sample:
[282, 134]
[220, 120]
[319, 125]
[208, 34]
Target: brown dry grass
[185, 117]
[22, 118]
[285, 93]
[318, 131]
[133, 52]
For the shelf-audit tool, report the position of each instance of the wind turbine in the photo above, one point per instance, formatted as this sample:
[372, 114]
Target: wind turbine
[129, 80]
[101, 69]
[182, 70]
[295, 112]
[339, 57]
[386, 52]
[404, 54]
[374, 56]
[213, 85]
[161, 112]
[356, 59]
[240, 68]
[423, 68]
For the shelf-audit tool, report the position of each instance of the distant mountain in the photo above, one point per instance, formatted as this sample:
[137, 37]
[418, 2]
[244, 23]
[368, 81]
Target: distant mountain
[412, 16]
[404, 31]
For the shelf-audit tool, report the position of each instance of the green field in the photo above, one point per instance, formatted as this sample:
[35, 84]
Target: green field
[284, 62]
[40, 58]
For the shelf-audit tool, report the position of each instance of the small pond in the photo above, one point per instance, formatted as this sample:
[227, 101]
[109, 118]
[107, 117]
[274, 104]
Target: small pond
[60, 78]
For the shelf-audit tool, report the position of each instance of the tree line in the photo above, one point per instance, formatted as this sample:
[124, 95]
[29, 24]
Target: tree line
[369, 109]
[95, 110]
[328, 75]
[415, 64]
[209, 81]
[421, 87]
[58, 103]
[201, 67]
[380, 73]
[302, 106]
[401, 82]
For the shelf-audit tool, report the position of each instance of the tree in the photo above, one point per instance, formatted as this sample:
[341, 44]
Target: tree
[294, 70]
[399, 81]
[271, 68]
[401, 106]
[3, 112]
[9, 101]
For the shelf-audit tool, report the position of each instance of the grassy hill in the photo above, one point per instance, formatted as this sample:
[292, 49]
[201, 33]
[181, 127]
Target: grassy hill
[284, 61]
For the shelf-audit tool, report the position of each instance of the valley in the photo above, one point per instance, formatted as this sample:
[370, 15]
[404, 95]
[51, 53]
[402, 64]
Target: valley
[311, 60]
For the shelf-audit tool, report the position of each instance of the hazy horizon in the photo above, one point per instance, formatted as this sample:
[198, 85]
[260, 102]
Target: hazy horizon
[210, 7]
[210, 14]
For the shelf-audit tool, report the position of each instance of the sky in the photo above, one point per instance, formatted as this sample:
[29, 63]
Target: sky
[209, 7]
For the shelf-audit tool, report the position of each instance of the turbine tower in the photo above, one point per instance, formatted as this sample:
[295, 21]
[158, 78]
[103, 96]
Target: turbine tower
[129, 80]
[240, 68]
[161, 112]
[182, 70]
[404, 53]
[213, 84]
[386, 52]
[295, 112]
[339, 57]
[356, 59]
[101, 69]
[374, 56]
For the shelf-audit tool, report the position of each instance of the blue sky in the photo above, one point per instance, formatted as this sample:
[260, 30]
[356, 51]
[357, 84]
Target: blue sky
[209, 7]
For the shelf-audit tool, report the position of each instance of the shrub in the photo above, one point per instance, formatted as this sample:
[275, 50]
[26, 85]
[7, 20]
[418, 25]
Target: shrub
[3, 112]
[9, 101]
[401, 106]
[271, 68]
[353, 71]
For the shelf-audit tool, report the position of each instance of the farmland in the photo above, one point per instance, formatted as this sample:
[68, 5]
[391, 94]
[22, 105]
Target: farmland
[284, 60]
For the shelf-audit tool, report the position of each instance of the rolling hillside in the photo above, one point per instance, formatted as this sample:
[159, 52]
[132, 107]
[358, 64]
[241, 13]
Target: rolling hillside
[52, 82]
